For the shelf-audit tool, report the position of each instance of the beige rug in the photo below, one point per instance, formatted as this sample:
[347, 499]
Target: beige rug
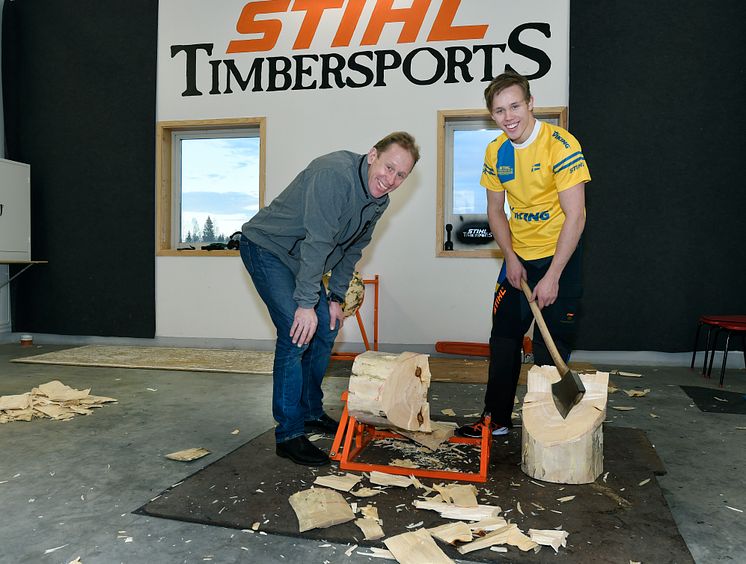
[164, 358]
[472, 370]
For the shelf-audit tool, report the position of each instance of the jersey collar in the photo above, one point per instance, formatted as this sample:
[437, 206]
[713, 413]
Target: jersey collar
[531, 138]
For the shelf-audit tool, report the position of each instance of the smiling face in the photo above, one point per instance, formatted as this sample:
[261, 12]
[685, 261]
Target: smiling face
[513, 113]
[388, 169]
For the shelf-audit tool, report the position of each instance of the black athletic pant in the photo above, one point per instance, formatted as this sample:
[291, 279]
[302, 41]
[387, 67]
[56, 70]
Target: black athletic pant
[511, 318]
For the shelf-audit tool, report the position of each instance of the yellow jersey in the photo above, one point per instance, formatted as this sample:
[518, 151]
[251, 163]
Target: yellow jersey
[533, 174]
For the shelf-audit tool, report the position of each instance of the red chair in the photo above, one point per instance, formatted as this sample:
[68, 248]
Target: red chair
[716, 324]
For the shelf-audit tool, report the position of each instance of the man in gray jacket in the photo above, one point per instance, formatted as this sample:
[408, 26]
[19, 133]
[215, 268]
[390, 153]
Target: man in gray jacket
[321, 222]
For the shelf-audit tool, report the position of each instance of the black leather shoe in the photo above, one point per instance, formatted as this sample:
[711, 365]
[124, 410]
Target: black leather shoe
[301, 451]
[323, 424]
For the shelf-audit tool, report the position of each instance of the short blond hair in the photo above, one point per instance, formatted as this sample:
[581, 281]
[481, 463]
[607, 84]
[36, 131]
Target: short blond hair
[403, 139]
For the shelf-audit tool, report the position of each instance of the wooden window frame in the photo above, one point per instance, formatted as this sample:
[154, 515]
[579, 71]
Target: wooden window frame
[164, 244]
[557, 113]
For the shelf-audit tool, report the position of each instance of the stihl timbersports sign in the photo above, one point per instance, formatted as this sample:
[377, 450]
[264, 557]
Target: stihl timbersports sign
[354, 50]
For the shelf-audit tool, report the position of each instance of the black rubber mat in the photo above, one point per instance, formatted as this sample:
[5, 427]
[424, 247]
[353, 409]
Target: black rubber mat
[714, 400]
[621, 517]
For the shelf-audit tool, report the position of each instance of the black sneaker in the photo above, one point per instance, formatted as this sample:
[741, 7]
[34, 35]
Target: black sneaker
[474, 430]
[323, 424]
[301, 451]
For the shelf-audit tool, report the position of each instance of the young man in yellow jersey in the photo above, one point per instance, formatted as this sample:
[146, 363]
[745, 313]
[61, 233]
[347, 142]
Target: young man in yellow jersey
[541, 171]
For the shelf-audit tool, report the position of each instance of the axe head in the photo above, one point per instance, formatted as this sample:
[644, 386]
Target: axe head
[567, 392]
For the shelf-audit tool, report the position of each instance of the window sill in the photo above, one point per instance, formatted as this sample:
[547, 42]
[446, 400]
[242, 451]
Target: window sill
[481, 253]
[196, 253]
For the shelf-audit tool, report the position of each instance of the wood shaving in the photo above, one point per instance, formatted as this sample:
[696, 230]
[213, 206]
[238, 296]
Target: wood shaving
[53, 400]
[637, 393]
[189, 454]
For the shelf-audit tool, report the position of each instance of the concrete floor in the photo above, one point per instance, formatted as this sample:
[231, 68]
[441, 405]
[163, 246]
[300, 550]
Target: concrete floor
[72, 486]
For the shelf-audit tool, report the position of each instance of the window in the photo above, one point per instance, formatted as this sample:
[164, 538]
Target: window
[211, 181]
[463, 136]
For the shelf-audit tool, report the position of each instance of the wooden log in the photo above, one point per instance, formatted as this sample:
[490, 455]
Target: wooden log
[563, 451]
[389, 390]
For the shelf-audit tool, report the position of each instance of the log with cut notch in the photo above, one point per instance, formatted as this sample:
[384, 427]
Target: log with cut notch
[564, 451]
[390, 390]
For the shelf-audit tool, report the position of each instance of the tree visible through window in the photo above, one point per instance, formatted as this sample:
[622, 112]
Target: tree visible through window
[219, 186]
[211, 180]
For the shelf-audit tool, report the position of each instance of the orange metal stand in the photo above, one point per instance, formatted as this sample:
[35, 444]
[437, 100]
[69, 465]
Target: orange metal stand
[349, 355]
[353, 437]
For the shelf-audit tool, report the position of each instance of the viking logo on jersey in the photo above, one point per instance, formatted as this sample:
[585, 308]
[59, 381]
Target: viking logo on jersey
[487, 169]
[559, 138]
[527, 216]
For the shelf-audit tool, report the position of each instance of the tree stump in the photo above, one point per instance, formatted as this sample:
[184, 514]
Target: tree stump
[564, 451]
[390, 390]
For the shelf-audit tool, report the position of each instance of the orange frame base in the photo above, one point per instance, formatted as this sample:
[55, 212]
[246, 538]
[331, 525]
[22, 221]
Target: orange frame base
[353, 437]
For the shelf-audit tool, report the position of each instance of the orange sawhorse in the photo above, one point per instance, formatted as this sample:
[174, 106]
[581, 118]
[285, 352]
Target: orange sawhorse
[350, 355]
[353, 437]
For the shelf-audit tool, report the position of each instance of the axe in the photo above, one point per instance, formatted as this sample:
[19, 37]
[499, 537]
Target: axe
[570, 389]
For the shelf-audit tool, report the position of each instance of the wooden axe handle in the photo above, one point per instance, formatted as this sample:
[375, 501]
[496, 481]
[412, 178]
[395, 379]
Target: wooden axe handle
[548, 341]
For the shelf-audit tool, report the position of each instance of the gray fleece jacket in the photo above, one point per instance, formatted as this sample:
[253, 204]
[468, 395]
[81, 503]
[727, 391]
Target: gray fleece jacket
[322, 221]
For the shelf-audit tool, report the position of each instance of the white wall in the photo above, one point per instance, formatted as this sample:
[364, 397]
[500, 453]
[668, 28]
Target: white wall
[422, 298]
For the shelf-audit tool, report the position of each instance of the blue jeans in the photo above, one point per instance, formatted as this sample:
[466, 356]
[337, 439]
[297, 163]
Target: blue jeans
[298, 371]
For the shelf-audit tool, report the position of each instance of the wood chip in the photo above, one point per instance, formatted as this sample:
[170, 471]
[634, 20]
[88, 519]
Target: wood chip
[463, 495]
[566, 498]
[342, 483]
[188, 454]
[370, 528]
[498, 536]
[366, 492]
[452, 532]
[383, 479]
[489, 524]
[376, 552]
[450, 511]
[549, 537]
[416, 547]
[626, 374]
[318, 508]
[403, 463]
[57, 391]
[441, 432]
[19, 401]
[637, 393]
[622, 408]
[448, 411]
[644, 482]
